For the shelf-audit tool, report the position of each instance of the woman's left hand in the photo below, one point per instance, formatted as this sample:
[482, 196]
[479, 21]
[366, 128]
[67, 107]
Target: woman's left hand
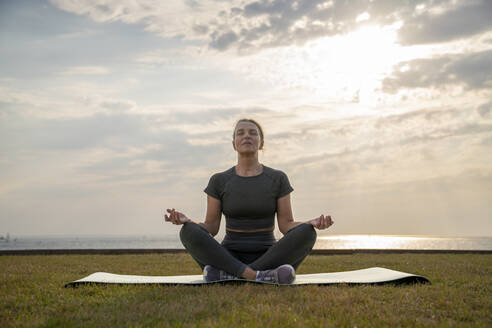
[322, 222]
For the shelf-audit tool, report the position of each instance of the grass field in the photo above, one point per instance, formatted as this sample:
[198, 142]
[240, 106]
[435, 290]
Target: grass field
[32, 294]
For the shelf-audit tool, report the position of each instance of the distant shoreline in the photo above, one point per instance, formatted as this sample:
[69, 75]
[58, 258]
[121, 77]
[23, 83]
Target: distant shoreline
[177, 250]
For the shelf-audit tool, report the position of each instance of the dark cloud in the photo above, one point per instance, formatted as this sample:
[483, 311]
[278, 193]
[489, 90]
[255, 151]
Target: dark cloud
[222, 41]
[485, 109]
[200, 29]
[448, 132]
[469, 18]
[426, 115]
[117, 105]
[474, 71]
[267, 23]
[192, 3]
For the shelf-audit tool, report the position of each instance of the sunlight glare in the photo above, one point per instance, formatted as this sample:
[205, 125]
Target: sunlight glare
[344, 68]
[370, 241]
[352, 65]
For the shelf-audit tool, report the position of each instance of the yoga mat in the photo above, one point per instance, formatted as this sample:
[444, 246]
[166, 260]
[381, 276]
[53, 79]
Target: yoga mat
[374, 275]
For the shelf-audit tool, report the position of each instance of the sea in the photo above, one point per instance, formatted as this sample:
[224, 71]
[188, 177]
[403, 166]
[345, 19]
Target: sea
[373, 241]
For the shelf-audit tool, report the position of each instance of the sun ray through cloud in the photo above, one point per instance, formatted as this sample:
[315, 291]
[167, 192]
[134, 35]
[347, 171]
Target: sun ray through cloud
[379, 110]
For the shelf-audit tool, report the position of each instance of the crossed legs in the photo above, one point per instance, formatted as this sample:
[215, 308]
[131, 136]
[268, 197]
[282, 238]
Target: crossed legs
[291, 249]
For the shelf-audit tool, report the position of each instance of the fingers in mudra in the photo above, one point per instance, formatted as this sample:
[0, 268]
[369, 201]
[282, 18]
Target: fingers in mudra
[329, 221]
[172, 217]
[175, 216]
[168, 217]
[324, 222]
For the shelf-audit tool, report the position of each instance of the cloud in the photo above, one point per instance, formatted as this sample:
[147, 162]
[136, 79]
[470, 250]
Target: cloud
[163, 135]
[186, 139]
[264, 24]
[432, 124]
[254, 25]
[223, 41]
[167, 19]
[86, 70]
[485, 109]
[464, 19]
[120, 155]
[189, 57]
[283, 23]
[471, 70]
[98, 130]
[361, 146]
[84, 33]
[118, 105]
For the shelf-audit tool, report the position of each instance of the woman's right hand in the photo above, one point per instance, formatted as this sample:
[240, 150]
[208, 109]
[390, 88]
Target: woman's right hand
[175, 217]
[322, 222]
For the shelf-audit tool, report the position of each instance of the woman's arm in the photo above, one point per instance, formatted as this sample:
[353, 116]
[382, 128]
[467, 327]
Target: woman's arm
[284, 215]
[212, 219]
[214, 213]
[286, 220]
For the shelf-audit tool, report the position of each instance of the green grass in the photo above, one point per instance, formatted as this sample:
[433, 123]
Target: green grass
[32, 294]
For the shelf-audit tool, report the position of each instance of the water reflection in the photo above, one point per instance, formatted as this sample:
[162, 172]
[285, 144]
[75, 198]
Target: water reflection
[323, 242]
[402, 242]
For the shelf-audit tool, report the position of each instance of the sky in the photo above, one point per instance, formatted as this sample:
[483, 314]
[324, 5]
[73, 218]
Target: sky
[379, 111]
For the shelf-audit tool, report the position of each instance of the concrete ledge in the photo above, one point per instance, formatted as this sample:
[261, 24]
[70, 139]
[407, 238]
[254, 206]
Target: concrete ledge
[177, 251]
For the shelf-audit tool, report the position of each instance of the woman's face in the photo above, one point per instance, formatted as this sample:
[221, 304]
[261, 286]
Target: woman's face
[246, 138]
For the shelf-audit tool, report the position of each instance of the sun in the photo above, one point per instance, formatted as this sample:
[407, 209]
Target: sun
[350, 66]
[342, 68]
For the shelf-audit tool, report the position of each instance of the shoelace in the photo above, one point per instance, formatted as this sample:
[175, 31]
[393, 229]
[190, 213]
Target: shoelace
[224, 275]
[270, 275]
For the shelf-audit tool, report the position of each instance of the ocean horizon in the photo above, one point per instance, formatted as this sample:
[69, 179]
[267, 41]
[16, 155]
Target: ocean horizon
[347, 241]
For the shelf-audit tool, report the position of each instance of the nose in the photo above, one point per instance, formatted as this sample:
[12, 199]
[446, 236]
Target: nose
[247, 139]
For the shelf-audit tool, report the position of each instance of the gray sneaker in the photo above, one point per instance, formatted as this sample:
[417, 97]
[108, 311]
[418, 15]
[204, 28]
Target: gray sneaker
[284, 274]
[211, 274]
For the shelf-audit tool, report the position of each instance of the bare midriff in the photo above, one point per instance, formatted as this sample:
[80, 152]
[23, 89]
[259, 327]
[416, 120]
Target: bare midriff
[254, 230]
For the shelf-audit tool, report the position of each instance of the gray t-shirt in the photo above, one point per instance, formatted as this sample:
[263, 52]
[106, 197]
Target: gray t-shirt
[249, 203]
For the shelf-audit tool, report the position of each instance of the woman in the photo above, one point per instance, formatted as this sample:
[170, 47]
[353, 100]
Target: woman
[249, 194]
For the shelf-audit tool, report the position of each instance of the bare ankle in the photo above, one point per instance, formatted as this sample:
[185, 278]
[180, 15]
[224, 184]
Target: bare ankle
[249, 274]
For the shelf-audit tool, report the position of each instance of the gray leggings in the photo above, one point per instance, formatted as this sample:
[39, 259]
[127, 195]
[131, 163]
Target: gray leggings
[258, 250]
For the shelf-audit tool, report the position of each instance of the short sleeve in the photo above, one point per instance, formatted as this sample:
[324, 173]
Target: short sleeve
[285, 188]
[213, 187]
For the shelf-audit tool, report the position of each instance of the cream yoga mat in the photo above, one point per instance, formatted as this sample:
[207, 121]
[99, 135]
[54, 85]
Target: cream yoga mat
[365, 276]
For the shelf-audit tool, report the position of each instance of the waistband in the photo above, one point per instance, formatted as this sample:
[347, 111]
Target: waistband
[251, 236]
[249, 224]
[248, 241]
